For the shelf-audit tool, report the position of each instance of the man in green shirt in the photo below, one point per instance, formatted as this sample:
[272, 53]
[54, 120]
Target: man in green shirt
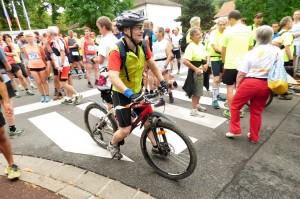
[237, 42]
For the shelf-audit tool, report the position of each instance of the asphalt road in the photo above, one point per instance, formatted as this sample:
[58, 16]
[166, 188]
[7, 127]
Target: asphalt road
[226, 168]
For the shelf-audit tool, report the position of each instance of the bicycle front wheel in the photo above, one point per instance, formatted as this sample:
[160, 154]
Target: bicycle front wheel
[175, 158]
[100, 126]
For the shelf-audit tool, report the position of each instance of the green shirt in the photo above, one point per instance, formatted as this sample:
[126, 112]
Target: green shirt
[195, 52]
[216, 38]
[237, 40]
[288, 40]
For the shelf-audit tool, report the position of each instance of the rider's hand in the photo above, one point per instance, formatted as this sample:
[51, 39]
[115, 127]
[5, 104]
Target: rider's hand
[134, 96]
[128, 93]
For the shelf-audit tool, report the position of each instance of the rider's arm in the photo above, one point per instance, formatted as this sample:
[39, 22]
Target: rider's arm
[116, 81]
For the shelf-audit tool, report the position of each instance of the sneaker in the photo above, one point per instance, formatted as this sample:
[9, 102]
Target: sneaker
[16, 133]
[160, 102]
[155, 150]
[47, 98]
[21, 87]
[78, 98]
[13, 172]
[251, 139]
[43, 98]
[29, 92]
[200, 108]
[178, 72]
[17, 95]
[90, 85]
[226, 114]
[285, 97]
[67, 101]
[114, 151]
[171, 98]
[215, 104]
[96, 82]
[220, 98]
[33, 86]
[79, 76]
[195, 112]
[231, 135]
[242, 113]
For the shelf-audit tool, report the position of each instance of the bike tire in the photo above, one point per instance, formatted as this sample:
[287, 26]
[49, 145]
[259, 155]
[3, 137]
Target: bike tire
[154, 160]
[101, 131]
[269, 101]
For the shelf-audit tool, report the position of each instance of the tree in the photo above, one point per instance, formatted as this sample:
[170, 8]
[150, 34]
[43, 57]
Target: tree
[273, 10]
[202, 8]
[87, 12]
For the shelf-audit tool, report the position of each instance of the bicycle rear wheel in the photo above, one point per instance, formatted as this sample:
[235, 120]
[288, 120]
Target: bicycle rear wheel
[270, 99]
[100, 127]
[175, 158]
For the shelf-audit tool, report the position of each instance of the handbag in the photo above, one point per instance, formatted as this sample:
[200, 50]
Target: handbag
[277, 78]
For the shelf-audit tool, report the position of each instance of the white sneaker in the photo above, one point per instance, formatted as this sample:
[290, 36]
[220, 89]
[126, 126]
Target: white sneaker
[21, 87]
[195, 112]
[200, 108]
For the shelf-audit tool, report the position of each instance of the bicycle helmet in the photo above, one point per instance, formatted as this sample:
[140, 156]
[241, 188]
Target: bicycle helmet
[128, 19]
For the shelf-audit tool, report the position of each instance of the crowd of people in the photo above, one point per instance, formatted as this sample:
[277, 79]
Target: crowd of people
[240, 56]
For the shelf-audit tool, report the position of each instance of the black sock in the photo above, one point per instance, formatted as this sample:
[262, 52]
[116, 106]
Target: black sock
[83, 70]
[178, 65]
[12, 128]
[15, 90]
[76, 70]
[151, 91]
[146, 91]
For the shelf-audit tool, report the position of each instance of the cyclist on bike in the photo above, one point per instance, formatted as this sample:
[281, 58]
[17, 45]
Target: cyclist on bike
[127, 78]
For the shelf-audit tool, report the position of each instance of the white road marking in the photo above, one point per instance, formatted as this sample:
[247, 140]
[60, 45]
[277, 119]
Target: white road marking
[39, 105]
[203, 100]
[68, 136]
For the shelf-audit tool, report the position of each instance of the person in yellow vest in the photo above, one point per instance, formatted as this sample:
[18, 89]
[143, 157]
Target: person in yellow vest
[127, 79]
[258, 19]
[214, 50]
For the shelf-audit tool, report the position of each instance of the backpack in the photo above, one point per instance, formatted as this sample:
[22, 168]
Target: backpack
[56, 51]
[124, 49]
[183, 43]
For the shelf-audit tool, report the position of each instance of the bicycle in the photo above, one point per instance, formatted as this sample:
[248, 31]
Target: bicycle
[269, 101]
[168, 161]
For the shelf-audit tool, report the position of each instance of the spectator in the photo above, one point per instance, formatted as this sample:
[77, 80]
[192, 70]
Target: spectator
[276, 28]
[252, 83]
[237, 41]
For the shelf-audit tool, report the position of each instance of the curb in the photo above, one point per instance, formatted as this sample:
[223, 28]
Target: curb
[70, 181]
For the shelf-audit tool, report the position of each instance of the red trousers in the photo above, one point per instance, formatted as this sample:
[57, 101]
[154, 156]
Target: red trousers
[257, 92]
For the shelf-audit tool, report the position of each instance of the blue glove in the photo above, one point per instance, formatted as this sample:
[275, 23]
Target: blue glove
[128, 93]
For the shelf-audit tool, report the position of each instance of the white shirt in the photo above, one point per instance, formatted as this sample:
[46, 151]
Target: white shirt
[296, 29]
[59, 45]
[257, 62]
[106, 43]
[175, 41]
[159, 52]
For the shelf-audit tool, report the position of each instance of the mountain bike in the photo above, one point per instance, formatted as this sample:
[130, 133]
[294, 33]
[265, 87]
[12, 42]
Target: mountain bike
[170, 161]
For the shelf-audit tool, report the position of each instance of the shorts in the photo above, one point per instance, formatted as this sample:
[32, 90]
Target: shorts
[198, 85]
[2, 120]
[64, 74]
[22, 67]
[229, 76]
[10, 90]
[217, 67]
[289, 69]
[74, 57]
[55, 71]
[88, 58]
[176, 54]
[48, 56]
[15, 68]
[37, 69]
[123, 115]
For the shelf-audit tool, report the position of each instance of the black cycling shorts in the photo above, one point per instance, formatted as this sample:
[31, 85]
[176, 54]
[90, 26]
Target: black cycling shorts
[123, 115]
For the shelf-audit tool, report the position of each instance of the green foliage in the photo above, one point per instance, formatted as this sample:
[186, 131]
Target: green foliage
[202, 8]
[273, 10]
[87, 12]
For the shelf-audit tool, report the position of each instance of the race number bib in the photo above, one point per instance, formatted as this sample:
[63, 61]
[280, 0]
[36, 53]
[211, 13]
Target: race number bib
[91, 48]
[33, 56]
[75, 53]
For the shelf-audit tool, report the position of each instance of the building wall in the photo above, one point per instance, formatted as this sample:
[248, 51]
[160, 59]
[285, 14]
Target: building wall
[161, 15]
